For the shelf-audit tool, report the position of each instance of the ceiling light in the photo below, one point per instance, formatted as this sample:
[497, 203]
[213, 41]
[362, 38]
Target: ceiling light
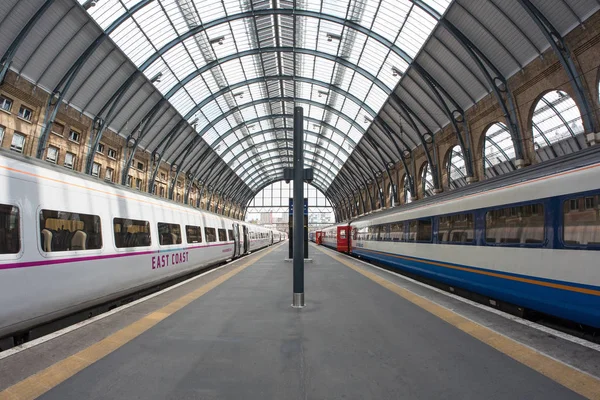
[331, 36]
[89, 4]
[323, 93]
[156, 78]
[368, 120]
[218, 40]
[395, 71]
[239, 94]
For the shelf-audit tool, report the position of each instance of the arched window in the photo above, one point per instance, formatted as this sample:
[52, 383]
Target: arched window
[457, 172]
[557, 126]
[426, 180]
[499, 151]
[391, 194]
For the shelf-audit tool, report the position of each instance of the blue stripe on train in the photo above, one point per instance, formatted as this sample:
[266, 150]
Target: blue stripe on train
[579, 307]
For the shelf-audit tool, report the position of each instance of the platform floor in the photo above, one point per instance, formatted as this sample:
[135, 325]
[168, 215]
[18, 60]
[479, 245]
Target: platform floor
[355, 339]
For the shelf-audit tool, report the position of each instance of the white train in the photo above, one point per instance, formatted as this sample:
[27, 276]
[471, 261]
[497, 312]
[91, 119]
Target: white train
[68, 241]
[530, 238]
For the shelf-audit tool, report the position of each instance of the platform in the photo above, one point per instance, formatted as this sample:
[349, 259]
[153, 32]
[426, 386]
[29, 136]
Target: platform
[364, 334]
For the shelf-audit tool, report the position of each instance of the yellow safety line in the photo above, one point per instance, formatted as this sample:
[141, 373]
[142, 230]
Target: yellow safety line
[43, 381]
[568, 376]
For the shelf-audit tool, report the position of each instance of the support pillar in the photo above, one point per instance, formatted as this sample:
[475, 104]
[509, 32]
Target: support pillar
[298, 236]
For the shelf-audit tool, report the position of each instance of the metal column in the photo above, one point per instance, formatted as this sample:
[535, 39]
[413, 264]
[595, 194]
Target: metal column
[298, 237]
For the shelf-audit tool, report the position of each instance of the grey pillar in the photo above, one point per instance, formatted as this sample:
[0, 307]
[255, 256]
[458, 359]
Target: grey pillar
[298, 298]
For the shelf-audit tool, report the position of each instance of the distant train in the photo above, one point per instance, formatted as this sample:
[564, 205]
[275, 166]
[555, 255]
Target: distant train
[530, 238]
[69, 241]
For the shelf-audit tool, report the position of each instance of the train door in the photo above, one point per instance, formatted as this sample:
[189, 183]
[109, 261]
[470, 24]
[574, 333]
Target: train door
[343, 238]
[245, 235]
[236, 240]
[319, 237]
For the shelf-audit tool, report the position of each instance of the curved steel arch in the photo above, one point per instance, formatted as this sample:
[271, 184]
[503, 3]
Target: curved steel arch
[271, 116]
[276, 11]
[316, 172]
[286, 148]
[264, 79]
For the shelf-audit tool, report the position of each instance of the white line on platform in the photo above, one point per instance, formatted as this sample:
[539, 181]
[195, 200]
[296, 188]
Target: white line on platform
[522, 321]
[71, 328]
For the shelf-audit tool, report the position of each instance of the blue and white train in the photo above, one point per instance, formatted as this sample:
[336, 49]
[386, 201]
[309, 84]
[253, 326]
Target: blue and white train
[69, 241]
[530, 238]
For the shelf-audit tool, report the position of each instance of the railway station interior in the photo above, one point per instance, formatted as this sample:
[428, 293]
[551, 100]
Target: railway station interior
[154, 155]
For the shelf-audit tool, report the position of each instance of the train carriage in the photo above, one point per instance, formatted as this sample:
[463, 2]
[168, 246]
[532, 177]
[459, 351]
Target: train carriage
[530, 238]
[69, 241]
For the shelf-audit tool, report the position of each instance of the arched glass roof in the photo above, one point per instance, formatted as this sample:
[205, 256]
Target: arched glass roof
[235, 69]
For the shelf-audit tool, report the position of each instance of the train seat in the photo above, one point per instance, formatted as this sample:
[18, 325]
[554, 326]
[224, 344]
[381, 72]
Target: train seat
[78, 241]
[46, 240]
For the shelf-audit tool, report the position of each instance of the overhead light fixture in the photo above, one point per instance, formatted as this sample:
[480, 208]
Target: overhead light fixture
[323, 93]
[218, 40]
[89, 4]
[368, 120]
[396, 71]
[331, 36]
[194, 121]
[251, 126]
[239, 94]
[316, 126]
[156, 78]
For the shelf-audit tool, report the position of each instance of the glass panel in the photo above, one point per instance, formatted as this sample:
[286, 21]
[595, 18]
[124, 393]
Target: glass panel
[556, 117]
[131, 233]
[397, 231]
[420, 230]
[458, 228]
[193, 234]
[169, 234]
[10, 229]
[581, 221]
[210, 234]
[222, 235]
[512, 225]
[68, 231]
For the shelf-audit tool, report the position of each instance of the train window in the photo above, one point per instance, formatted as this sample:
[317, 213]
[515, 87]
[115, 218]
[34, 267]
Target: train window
[210, 234]
[420, 230]
[458, 228]
[10, 237]
[382, 232]
[169, 234]
[131, 233]
[515, 225]
[193, 234]
[342, 234]
[581, 221]
[68, 231]
[230, 233]
[397, 231]
[222, 235]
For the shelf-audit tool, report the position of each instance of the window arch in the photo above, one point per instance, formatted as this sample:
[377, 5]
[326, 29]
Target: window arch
[391, 194]
[405, 192]
[498, 151]
[557, 126]
[426, 180]
[457, 171]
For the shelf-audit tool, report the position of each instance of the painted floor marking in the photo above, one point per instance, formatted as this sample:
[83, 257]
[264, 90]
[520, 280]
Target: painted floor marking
[578, 381]
[41, 382]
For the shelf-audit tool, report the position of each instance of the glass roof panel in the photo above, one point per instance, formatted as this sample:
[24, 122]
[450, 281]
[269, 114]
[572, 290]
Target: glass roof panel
[360, 47]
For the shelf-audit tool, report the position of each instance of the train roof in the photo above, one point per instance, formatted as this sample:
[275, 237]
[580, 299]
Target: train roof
[557, 165]
[69, 172]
